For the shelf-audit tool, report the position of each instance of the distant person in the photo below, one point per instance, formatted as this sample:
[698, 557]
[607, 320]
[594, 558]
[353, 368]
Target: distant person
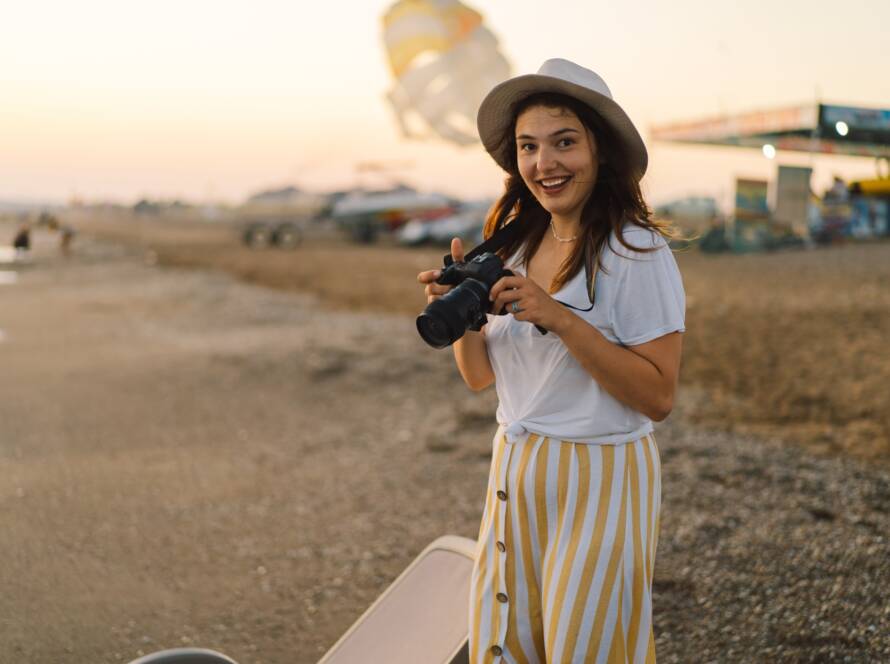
[22, 240]
[568, 536]
[49, 220]
[66, 238]
[838, 191]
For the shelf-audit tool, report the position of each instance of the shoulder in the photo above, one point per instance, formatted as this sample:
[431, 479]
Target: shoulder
[644, 241]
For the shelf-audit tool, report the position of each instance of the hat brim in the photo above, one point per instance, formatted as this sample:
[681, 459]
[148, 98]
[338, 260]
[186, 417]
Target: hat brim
[496, 114]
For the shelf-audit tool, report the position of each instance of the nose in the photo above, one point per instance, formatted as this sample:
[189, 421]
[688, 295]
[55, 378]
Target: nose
[547, 161]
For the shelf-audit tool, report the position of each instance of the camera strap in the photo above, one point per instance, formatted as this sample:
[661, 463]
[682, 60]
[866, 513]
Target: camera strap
[503, 236]
[500, 238]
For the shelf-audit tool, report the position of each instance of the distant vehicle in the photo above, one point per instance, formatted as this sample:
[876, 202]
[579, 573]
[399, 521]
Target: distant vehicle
[415, 233]
[467, 224]
[696, 211]
[286, 202]
[365, 214]
[746, 235]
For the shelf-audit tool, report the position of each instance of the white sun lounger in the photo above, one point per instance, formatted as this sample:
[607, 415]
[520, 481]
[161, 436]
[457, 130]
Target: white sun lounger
[421, 618]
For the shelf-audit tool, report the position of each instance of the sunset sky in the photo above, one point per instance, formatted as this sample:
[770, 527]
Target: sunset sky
[214, 100]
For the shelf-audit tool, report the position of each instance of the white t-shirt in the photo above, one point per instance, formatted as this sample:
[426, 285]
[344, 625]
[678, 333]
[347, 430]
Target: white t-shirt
[542, 389]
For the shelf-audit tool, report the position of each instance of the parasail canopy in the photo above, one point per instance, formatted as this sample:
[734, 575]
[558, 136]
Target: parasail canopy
[444, 61]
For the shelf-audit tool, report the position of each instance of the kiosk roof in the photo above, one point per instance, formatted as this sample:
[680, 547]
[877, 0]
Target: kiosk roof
[823, 128]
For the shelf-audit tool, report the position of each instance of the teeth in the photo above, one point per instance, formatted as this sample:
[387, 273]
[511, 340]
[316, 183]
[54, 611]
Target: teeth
[554, 182]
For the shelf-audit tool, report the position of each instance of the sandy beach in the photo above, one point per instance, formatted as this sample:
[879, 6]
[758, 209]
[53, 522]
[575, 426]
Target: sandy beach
[193, 458]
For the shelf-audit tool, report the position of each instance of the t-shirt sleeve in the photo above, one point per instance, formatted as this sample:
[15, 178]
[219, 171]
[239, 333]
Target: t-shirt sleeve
[649, 299]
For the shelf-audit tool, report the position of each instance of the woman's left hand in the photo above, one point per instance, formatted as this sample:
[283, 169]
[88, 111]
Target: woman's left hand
[528, 302]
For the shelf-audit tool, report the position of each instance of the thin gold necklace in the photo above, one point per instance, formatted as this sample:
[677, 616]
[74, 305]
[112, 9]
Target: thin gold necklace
[561, 239]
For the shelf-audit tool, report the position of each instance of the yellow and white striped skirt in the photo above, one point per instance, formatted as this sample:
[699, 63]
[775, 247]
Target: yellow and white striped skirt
[566, 551]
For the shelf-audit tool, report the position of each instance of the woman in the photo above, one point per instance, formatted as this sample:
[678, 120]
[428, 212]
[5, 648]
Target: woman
[568, 536]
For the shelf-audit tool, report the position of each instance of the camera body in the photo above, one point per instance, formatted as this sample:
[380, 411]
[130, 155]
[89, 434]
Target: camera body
[485, 269]
[464, 307]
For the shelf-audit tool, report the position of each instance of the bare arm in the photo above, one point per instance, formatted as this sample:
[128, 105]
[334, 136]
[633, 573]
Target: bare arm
[470, 352]
[471, 356]
[643, 377]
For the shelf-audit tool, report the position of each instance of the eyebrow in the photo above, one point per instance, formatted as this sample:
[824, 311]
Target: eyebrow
[554, 134]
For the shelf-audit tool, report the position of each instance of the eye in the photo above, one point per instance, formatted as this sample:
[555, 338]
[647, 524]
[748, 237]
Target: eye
[526, 147]
[565, 142]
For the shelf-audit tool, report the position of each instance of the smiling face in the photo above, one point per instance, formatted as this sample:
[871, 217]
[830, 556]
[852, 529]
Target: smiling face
[557, 159]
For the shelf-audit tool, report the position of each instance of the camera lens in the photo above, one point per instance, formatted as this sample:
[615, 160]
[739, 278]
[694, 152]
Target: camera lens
[445, 320]
[433, 328]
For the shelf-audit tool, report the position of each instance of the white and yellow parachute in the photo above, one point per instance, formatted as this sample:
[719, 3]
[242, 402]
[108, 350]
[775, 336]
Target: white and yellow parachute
[444, 61]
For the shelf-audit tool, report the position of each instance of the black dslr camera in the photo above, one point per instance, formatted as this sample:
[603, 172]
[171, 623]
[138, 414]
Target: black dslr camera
[463, 308]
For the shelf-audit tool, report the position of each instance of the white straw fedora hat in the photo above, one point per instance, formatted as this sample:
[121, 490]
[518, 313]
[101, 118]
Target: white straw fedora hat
[564, 77]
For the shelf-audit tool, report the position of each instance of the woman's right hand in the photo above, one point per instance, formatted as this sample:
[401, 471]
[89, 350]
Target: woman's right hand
[433, 290]
[470, 351]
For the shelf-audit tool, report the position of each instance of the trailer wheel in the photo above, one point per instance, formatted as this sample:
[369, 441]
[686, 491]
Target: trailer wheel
[287, 236]
[257, 236]
[364, 231]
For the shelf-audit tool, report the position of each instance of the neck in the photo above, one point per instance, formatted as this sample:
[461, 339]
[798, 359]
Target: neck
[566, 227]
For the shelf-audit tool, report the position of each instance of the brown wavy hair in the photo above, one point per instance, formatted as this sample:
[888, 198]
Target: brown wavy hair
[616, 198]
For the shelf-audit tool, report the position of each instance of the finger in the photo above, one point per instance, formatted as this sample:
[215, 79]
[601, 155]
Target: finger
[457, 249]
[504, 283]
[506, 298]
[428, 276]
[436, 289]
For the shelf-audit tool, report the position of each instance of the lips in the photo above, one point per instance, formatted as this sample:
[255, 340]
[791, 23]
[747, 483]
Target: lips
[554, 185]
